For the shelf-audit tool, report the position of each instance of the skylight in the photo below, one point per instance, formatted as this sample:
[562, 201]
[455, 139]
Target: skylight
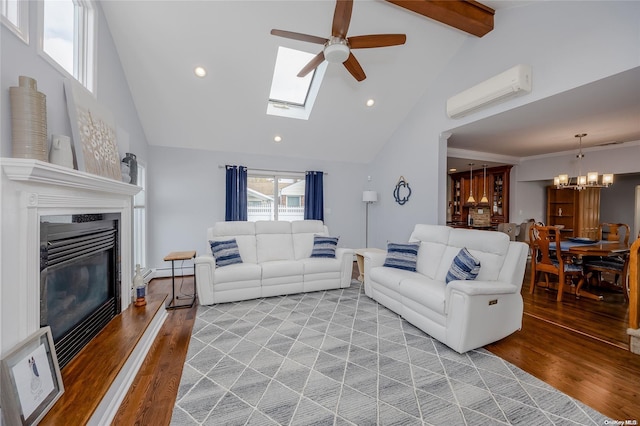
[293, 96]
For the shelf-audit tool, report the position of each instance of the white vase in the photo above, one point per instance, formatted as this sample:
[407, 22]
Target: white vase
[60, 152]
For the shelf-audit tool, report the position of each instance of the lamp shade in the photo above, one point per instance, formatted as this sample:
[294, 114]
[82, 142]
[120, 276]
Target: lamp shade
[369, 196]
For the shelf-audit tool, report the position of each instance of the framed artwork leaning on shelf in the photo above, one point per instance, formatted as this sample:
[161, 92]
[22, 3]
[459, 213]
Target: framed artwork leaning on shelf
[94, 132]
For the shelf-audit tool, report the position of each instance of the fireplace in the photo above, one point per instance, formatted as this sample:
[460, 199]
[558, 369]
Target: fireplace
[79, 278]
[34, 192]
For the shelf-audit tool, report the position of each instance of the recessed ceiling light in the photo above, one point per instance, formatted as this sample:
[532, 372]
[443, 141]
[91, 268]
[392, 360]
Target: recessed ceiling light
[200, 72]
[370, 102]
[277, 139]
[453, 170]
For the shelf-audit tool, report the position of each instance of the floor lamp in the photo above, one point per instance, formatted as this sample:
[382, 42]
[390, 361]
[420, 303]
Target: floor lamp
[368, 197]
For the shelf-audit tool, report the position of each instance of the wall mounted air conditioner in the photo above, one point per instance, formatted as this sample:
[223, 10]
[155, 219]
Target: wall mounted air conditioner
[513, 82]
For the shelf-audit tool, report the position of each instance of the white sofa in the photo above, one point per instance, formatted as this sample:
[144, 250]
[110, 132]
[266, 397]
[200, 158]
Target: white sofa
[463, 315]
[275, 261]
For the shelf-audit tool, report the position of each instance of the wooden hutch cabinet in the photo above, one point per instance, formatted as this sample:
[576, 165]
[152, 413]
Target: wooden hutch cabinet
[577, 211]
[497, 190]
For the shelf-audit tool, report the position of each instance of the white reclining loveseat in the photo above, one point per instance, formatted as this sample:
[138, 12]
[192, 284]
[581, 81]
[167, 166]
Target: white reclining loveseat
[463, 314]
[275, 260]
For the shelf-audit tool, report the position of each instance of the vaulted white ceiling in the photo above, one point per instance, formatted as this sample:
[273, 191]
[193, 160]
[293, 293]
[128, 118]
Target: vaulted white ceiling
[161, 42]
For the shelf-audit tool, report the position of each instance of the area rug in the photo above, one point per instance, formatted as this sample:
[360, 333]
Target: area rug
[339, 358]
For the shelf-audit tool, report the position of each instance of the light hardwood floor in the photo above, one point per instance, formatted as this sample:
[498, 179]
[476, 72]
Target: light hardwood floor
[553, 345]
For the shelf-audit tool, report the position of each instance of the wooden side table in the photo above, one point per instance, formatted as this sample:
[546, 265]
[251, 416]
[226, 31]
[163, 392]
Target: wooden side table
[180, 255]
[360, 260]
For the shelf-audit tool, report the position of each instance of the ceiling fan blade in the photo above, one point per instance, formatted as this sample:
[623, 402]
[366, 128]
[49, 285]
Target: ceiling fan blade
[313, 64]
[353, 66]
[341, 18]
[376, 40]
[299, 36]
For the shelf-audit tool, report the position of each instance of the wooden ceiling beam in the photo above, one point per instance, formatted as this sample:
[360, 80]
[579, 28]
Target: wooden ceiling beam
[466, 15]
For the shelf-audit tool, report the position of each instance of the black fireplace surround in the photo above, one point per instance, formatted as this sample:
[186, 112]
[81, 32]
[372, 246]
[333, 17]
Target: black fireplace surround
[79, 278]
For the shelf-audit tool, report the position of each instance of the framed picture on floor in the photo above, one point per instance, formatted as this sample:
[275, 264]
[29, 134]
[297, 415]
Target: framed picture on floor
[31, 380]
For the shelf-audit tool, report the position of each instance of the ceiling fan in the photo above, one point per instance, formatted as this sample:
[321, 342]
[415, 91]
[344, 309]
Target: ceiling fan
[337, 49]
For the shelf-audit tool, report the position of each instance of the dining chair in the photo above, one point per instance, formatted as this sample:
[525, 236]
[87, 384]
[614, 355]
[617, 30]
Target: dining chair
[616, 265]
[509, 229]
[546, 259]
[523, 234]
[614, 232]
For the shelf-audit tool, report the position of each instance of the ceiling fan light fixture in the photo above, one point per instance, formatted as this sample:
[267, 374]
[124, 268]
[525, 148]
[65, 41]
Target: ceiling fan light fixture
[337, 48]
[336, 51]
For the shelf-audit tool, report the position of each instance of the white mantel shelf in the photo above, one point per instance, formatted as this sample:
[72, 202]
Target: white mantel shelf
[41, 172]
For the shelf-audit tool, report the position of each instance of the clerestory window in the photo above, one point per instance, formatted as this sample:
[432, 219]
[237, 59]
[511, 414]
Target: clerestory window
[67, 37]
[15, 16]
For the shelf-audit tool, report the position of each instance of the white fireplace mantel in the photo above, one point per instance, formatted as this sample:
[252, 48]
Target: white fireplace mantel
[36, 171]
[30, 190]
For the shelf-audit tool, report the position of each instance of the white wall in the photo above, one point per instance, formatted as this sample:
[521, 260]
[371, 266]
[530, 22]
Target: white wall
[186, 195]
[567, 44]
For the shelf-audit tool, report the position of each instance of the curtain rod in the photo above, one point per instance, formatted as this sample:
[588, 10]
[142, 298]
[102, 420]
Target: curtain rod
[272, 171]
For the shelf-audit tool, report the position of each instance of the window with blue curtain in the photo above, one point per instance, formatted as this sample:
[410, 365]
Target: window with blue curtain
[236, 199]
[314, 196]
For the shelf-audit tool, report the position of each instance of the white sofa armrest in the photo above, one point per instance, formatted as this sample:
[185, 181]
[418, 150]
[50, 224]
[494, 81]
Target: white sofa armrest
[345, 255]
[205, 266]
[481, 312]
[473, 288]
[341, 252]
[374, 258]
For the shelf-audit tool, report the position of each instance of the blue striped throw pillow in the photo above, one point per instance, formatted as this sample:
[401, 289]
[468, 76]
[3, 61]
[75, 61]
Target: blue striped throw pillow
[402, 256]
[463, 267]
[324, 246]
[226, 252]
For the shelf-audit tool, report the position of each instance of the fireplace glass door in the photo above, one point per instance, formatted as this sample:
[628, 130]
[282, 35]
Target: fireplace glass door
[79, 286]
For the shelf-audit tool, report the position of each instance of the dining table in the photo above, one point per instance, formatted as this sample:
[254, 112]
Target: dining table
[581, 247]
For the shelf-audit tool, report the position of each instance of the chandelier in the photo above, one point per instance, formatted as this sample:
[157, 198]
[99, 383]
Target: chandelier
[591, 180]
